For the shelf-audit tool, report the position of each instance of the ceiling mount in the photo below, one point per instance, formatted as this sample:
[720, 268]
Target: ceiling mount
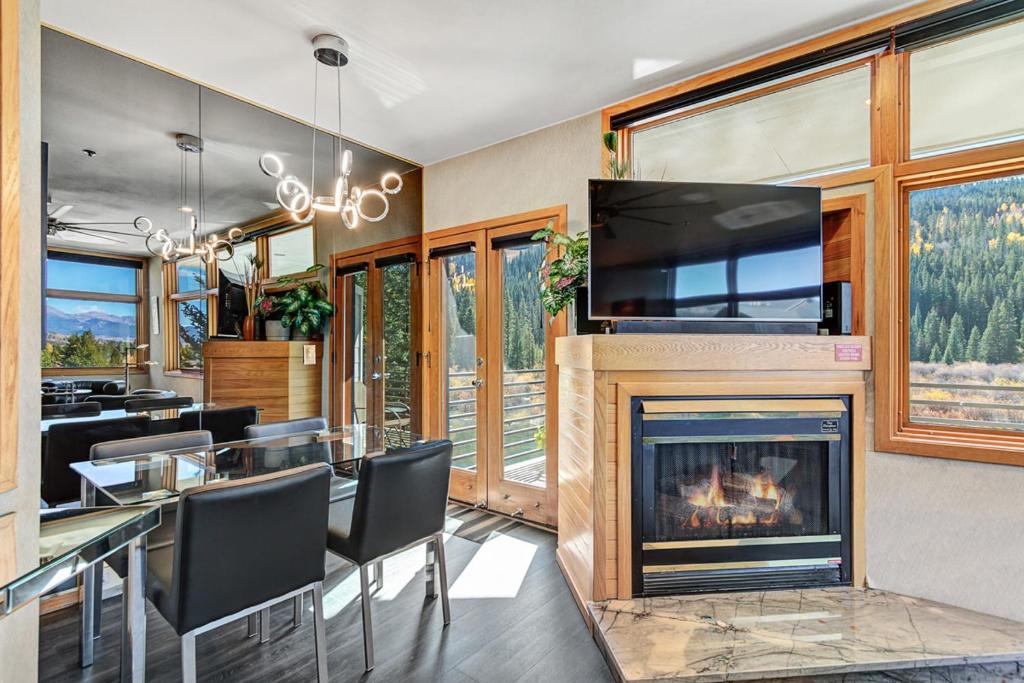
[330, 50]
[188, 143]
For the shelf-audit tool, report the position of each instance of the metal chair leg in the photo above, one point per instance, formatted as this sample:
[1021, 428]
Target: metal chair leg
[364, 587]
[265, 625]
[429, 570]
[442, 570]
[319, 632]
[188, 658]
[297, 611]
[378, 574]
[251, 619]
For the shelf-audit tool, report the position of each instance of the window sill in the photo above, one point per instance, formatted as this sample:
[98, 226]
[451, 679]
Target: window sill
[117, 372]
[187, 374]
[992, 448]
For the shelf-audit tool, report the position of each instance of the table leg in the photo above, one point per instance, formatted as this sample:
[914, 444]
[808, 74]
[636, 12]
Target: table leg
[431, 564]
[86, 628]
[136, 598]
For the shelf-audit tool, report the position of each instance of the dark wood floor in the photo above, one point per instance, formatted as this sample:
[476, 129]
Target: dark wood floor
[537, 635]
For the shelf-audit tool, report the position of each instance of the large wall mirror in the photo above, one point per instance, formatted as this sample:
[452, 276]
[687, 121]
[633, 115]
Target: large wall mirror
[114, 312]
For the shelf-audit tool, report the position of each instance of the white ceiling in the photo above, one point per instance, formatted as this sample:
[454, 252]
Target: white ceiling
[433, 79]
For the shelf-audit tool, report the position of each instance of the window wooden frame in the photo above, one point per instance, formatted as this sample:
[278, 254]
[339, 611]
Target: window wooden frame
[171, 298]
[141, 311]
[894, 174]
[10, 266]
[268, 279]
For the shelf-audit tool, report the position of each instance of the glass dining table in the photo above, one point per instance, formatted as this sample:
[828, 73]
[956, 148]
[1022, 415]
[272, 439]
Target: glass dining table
[161, 477]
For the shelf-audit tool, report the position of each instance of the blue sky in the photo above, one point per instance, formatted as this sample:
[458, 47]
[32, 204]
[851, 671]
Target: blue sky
[89, 277]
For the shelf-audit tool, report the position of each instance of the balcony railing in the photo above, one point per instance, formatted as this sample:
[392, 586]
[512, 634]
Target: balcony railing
[999, 412]
[523, 420]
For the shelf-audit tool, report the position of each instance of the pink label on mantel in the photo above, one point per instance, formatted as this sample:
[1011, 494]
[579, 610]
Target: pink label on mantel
[849, 353]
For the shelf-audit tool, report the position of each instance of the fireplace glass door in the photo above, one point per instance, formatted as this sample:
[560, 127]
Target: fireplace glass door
[735, 494]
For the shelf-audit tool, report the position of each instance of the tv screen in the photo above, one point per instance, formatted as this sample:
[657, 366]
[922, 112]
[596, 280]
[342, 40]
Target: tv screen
[704, 251]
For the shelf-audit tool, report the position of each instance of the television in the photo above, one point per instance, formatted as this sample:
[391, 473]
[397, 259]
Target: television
[704, 252]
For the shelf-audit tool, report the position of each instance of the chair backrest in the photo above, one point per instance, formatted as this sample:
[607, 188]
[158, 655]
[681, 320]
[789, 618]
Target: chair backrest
[401, 498]
[241, 543]
[112, 388]
[87, 409]
[135, 405]
[150, 444]
[69, 442]
[160, 393]
[226, 424]
[109, 401]
[305, 424]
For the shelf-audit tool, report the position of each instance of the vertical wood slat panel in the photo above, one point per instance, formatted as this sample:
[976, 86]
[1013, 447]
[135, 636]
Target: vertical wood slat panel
[10, 229]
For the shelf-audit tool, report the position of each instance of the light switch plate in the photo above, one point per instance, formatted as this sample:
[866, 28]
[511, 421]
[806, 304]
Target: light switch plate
[309, 354]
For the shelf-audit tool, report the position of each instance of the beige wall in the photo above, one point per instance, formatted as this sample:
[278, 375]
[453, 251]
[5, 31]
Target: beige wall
[939, 529]
[545, 168]
[19, 632]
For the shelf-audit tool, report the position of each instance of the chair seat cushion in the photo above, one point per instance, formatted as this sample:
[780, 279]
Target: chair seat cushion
[159, 577]
[339, 527]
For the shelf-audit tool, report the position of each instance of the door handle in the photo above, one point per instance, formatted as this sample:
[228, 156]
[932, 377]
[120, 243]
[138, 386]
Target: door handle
[375, 375]
[478, 383]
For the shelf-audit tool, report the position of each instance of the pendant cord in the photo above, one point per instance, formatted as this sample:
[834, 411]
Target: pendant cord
[202, 147]
[312, 174]
[341, 145]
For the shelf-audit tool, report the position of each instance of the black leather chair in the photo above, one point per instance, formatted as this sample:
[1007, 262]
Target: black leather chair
[117, 401]
[239, 547]
[400, 502]
[160, 537]
[137, 405]
[341, 487]
[87, 409]
[70, 442]
[226, 424]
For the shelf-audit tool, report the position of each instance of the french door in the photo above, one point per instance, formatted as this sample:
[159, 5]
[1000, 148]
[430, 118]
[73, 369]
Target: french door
[376, 341]
[491, 366]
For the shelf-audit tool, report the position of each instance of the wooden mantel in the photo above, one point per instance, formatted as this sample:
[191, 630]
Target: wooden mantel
[598, 373]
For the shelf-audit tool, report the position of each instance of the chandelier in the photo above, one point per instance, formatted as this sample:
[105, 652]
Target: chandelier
[350, 202]
[210, 247]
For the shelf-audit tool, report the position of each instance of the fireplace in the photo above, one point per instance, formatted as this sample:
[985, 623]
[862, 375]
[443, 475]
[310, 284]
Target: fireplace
[740, 494]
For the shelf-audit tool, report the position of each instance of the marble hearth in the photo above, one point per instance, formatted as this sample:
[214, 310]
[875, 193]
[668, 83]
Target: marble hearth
[826, 635]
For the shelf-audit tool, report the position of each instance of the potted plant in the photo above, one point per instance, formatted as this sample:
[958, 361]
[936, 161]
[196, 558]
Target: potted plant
[304, 308]
[562, 276]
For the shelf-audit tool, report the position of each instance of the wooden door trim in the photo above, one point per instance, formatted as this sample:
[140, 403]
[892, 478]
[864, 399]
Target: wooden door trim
[10, 235]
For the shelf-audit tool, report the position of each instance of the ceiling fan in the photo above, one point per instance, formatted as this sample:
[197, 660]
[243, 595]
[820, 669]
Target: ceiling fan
[77, 231]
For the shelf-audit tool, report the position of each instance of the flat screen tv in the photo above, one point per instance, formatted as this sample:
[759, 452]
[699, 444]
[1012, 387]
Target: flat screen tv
[704, 251]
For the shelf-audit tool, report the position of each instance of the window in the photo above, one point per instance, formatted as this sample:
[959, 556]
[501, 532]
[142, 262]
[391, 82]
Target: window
[187, 301]
[93, 310]
[231, 305]
[968, 92]
[291, 252]
[808, 128]
[966, 298]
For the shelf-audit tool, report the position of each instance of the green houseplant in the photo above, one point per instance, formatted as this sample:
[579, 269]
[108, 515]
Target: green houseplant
[304, 308]
[566, 272]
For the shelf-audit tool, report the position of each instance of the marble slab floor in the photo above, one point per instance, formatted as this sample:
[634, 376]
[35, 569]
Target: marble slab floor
[829, 635]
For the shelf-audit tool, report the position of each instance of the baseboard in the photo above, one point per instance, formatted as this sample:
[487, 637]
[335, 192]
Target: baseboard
[577, 596]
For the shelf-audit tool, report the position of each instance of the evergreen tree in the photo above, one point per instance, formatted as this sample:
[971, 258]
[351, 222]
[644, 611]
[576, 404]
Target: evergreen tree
[936, 355]
[973, 342]
[956, 344]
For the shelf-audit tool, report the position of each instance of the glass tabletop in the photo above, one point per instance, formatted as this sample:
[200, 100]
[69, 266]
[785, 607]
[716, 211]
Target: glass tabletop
[157, 414]
[162, 476]
[72, 539]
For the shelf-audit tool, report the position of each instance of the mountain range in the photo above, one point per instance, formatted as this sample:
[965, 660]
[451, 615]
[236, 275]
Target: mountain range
[103, 325]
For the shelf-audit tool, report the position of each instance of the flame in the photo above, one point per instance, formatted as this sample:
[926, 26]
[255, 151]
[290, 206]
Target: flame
[713, 508]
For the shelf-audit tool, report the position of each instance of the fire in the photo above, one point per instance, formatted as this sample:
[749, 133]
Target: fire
[739, 499]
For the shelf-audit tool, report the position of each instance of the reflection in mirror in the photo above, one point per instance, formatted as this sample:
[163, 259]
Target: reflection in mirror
[122, 323]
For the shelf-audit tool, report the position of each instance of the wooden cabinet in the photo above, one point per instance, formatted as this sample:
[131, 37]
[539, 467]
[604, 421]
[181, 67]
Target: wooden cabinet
[274, 376]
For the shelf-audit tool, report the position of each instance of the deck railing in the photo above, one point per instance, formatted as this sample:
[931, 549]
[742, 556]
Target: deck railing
[1011, 409]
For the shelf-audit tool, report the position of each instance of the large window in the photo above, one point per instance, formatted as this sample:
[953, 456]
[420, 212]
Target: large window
[291, 252]
[805, 128]
[187, 302]
[968, 92]
[966, 297]
[93, 310]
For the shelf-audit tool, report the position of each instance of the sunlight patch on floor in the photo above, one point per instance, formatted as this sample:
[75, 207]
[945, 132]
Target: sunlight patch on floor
[497, 570]
[399, 572]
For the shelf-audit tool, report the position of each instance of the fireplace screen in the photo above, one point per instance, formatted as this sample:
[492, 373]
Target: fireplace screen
[744, 489]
